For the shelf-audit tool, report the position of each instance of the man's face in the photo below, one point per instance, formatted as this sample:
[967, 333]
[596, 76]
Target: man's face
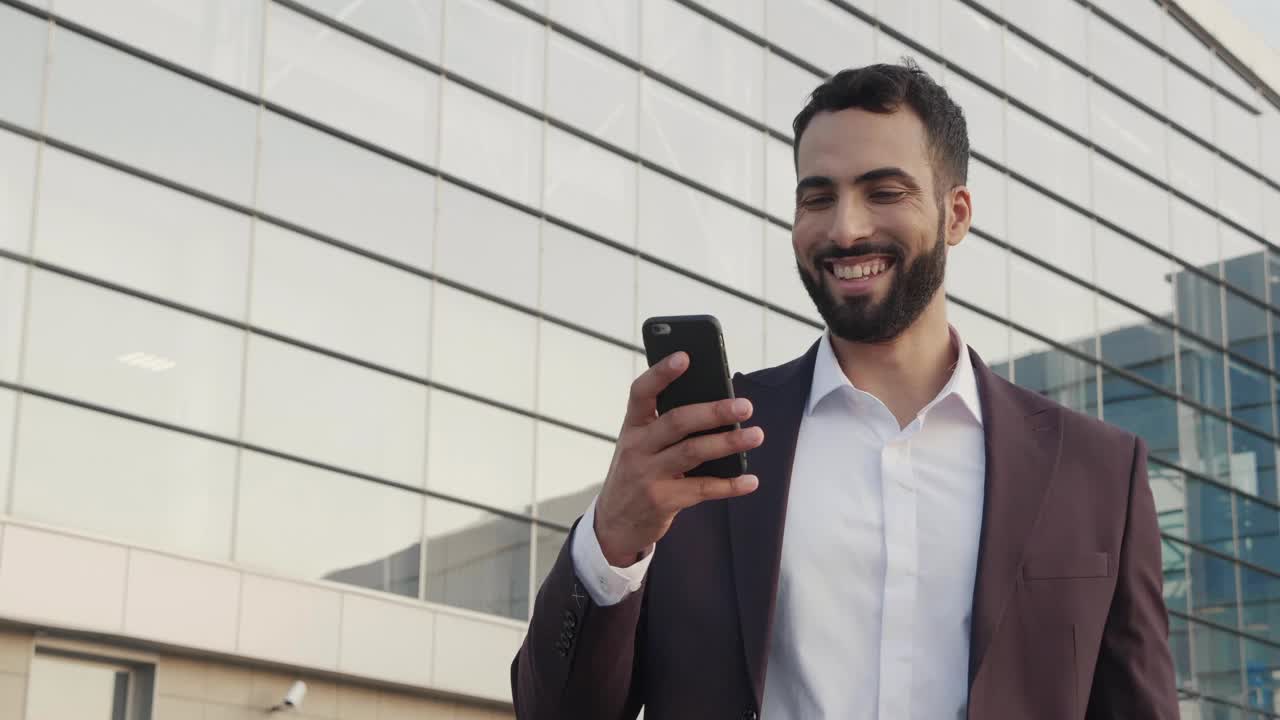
[870, 231]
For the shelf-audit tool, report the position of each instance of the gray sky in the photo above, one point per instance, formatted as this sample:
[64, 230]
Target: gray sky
[1263, 16]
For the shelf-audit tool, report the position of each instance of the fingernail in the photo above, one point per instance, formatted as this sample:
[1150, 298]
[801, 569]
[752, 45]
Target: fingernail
[677, 361]
[750, 482]
[741, 406]
[755, 434]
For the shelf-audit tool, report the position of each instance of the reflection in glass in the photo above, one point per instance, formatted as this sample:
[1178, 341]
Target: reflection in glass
[695, 51]
[1194, 237]
[1236, 129]
[972, 41]
[1244, 262]
[1046, 156]
[1048, 230]
[610, 111]
[480, 453]
[1051, 305]
[22, 56]
[590, 187]
[503, 50]
[570, 468]
[1056, 374]
[477, 560]
[1213, 591]
[1144, 412]
[1173, 562]
[1204, 442]
[411, 25]
[1126, 63]
[609, 286]
[820, 32]
[1171, 490]
[1239, 196]
[613, 23]
[582, 380]
[1130, 201]
[483, 347]
[978, 272]
[17, 187]
[1190, 169]
[1058, 23]
[1262, 673]
[982, 112]
[311, 523]
[1250, 395]
[472, 231]
[1119, 126]
[1253, 463]
[1199, 305]
[1180, 645]
[1203, 373]
[786, 87]
[549, 544]
[1133, 272]
[8, 412]
[491, 144]
[129, 481]
[663, 292]
[13, 292]
[1134, 342]
[1218, 670]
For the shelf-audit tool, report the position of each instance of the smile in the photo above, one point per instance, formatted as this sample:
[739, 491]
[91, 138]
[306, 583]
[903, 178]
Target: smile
[858, 268]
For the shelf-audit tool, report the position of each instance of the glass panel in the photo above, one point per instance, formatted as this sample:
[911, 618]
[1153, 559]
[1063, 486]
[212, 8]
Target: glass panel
[143, 115]
[13, 294]
[612, 23]
[594, 399]
[316, 407]
[477, 560]
[782, 285]
[699, 143]
[1131, 202]
[1058, 23]
[1204, 443]
[1262, 674]
[983, 116]
[130, 481]
[502, 51]
[1253, 462]
[64, 687]
[17, 189]
[1236, 129]
[1051, 305]
[1049, 230]
[222, 40]
[1239, 196]
[1194, 236]
[571, 468]
[1209, 520]
[325, 75]
[320, 182]
[1213, 588]
[1047, 157]
[1123, 61]
[1203, 373]
[663, 292]
[320, 525]
[1142, 411]
[483, 347]
[1199, 305]
[1180, 645]
[696, 52]
[473, 232]
[1046, 84]
[780, 180]
[590, 187]
[1133, 272]
[330, 297]
[820, 32]
[490, 144]
[1058, 375]
[8, 404]
[135, 233]
[978, 271]
[1175, 498]
[411, 25]
[1136, 343]
[22, 56]
[1231, 81]
[463, 460]
[985, 336]
[550, 542]
[786, 339]
[1250, 395]
[129, 354]
[1130, 133]
[699, 233]
[1218, 670]
[575, 268]
[987, 187]
[1190, 101]
[972, 41]
[1185, 46]
[1173, 561]
[1143, 18]
[1243, 262]
[787, 86]
[917, 19]
[611, 110]
[890, 50]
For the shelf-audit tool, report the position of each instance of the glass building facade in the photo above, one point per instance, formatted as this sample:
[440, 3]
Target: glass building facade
[350, 292]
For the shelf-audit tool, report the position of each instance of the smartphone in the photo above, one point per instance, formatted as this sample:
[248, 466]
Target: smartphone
[706, 379]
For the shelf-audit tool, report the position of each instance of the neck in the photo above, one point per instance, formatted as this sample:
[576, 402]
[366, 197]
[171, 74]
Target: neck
[907, 372]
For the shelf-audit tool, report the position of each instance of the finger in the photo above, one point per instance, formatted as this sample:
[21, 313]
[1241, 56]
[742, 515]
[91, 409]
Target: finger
[682, 422]
[694, 451]
[684, 493]
[642, 405]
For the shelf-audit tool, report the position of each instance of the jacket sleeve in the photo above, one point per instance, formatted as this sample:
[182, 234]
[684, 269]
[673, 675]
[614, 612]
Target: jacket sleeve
[1134, 678]
[579, 660]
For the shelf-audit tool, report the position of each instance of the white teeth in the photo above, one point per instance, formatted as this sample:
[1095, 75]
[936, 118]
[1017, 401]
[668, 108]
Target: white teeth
[853, 272]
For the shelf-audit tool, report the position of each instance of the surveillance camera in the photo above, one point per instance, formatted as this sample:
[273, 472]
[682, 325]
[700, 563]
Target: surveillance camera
[293, 698]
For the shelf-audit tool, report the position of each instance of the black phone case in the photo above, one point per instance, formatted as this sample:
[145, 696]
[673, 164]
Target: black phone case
[706, 380]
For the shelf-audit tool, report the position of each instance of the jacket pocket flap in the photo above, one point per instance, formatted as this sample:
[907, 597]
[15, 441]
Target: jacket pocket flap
[1057, 567]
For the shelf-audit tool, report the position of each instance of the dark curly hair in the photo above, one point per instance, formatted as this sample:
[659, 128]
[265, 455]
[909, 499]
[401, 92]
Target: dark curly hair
[886, 88]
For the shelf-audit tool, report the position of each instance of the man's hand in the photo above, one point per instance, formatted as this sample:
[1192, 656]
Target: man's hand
[646, 486]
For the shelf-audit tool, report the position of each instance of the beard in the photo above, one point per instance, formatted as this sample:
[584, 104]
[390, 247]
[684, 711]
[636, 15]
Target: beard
[862, 319]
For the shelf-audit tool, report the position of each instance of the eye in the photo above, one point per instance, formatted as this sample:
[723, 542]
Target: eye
[888, 196]
[816, 202]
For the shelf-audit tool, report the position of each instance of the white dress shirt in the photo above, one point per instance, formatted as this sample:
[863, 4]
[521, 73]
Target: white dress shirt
[879, 554]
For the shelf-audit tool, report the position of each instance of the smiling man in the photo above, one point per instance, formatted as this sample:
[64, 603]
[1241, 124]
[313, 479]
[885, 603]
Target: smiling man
[920, 539]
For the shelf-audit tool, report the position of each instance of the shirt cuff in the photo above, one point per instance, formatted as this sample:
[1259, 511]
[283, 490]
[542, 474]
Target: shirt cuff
[607, 585]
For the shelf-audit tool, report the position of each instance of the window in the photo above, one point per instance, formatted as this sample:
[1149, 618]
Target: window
[129, 231]
[972, 41]
[990, 339]
[582, 380]
[787, 86]
[1143, 412]
[663, 292]
[612, 23]
[978, 272]
[1251, 400]
[782, 285]
[1239, 196]
[413, 26]
[984, 116]
[13, 294]
[315, 180]
[1135, 343]
[146, 116]
[22, 57]
[780, 179]
[892, 50]
[611, 110]
[1194, 236]
[325, 75]
[1244, 262]
[480, 453]
[588, 283]
[1231, 81]
[786, 339]
[1127, 132]
[700, 143]
[104, 347]
[1247, 329]
[820, 32]
[1051, 305]
[1143, 18]
[476, 237]
[17, 189]
[1185, 46]
[1199, 305]
[987, 188]
[1059, 23]
[590, 187]
[8, 403]
[1191, 168]
[1046, 84]
[1134, 273]
[1046, 229]
[549, 544]
[477, 560]
[1130, 201]
[1047, 157]
[130, 481]
[482, 347]
[700, 233]
[502, 50]
[571, 467]
[917, 19]
[317, 407]
[1203, 373]
[1058, 375]
[71, 685]
[1126, 63]
[1190, 101]
[696, 52]
[491, 145]
[320, 294]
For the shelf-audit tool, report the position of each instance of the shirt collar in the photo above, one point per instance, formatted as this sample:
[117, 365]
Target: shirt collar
[828, 377]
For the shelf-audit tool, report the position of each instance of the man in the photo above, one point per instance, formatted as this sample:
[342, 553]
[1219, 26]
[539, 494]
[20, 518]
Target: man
[919, 538]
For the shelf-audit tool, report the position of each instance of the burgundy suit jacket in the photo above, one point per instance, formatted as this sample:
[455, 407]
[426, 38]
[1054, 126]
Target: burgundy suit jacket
[1068, 614]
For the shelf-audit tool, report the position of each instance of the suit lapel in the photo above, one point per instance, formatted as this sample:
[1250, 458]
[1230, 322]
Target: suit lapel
[756, 521]
[1023, 438]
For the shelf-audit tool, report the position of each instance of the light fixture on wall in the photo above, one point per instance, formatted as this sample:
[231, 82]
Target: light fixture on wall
[293, 698]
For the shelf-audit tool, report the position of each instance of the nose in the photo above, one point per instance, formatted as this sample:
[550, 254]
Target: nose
[850, 223]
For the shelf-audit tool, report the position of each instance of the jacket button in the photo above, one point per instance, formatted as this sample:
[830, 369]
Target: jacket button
[750, 715]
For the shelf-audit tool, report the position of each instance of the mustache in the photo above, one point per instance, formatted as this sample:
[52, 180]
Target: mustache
[871, 247]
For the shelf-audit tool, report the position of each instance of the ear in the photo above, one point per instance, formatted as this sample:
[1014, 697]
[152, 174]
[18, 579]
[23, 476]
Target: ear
[959, 209]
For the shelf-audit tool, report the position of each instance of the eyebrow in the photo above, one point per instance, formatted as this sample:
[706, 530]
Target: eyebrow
[881, 173]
